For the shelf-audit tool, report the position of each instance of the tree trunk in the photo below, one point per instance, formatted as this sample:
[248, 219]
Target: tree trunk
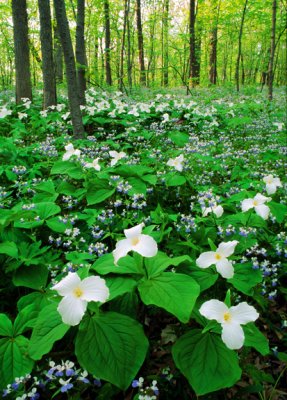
[194, 50]
[272, 51]
[165, 42]
[81, 57]
[140, 43]
[213, 45]
[71, 75]
[58, 55]
[107, 43]
[21, 45]
[50, 97]
[240, 46]
[129, 60]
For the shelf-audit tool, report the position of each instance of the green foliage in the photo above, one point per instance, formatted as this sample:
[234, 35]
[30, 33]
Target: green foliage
[206, 362]
[112, 346]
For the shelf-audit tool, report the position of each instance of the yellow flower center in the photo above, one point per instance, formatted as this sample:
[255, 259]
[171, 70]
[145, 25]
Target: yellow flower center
[255, 202]
[217, 256]
[78, 292]
[135, 241]
[227, 316]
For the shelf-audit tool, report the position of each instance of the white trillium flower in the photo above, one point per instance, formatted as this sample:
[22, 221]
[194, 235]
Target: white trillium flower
[258, 204]
[145, 245]
[230, 319]
[77, 294]
[217, 210]
[176, 162]
[70, 151]
[95, 164]
[279, 125]
[116, 156]
[271, 183]
[219, 258]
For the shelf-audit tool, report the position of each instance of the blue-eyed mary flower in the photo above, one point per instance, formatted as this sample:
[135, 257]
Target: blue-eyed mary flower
[145, 245]
[230, 319]
[271, 184]
[219, 258]
[76, 295]
[258, 203]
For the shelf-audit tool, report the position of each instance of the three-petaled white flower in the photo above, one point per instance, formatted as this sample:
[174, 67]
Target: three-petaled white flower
[176, 162]
[230, 319]
[258, 204]
[217, 210]
[116, 156]
[95, 164]
[77, 294]
[219, 257]
[271, 184]
[70, 151]
[145, 245]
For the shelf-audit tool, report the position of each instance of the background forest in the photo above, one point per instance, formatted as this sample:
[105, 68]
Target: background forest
[157, 42]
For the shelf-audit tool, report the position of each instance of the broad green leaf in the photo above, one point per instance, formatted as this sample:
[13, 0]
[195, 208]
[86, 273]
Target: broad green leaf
[119, 285]
[126, 304]
[6, 328]
[175, 180]
[206, 362]
[48, 329]
[245, 278]
[46, 210]
[78, 258]
[67, 168]
[278, 210]
[26, 319]
[9, 248]
[46, 186]
[98, 190]
[157, 264]
[132, 170]
[254, 338]
[38, 299]
[14, 360]
[138, 186]
[126, 265]
[179, 138]
[32, 276]
[205, 277]
[58, 226]
[111, 346]
[176, 293]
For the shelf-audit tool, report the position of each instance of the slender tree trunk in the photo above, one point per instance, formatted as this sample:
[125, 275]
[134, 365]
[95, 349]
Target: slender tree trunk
[21, 45]
[107, 43]
[71, 75]
[121, 73]
[81, 57]
[193, 47]
[165, 42]
[213, 45]
[129, 56]
[50, 97]
[140, 43]
[58, 55]
[240, 46]
[272, 51]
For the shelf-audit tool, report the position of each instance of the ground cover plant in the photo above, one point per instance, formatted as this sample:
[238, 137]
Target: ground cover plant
[147, 260]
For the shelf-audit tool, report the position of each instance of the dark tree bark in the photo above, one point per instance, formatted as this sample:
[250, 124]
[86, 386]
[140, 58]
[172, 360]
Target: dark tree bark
[272, 51]
[239, 55]
[81, 57]
[213, 45]
[165, 42]
[194, 50]
[58, 55]
[21, 45]
[129, 56]
[140, 43]
[71, 75]
[107, 44]
[121, 73]
[50, 97]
